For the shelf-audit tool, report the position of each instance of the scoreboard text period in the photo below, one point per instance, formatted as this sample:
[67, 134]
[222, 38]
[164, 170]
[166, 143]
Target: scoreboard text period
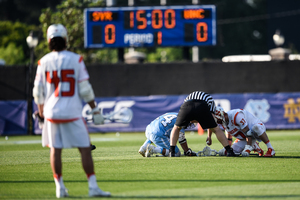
[164, 26]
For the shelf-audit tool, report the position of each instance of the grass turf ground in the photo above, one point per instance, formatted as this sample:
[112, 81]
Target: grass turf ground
[25, 171]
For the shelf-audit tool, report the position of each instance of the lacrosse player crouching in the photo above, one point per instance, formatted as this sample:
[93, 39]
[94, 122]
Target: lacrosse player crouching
[247, 128]
[158, 132]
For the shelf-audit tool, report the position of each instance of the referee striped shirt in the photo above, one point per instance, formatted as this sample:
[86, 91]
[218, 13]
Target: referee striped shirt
[198, 95]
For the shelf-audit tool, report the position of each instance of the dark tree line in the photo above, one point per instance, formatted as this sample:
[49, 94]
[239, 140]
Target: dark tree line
[26, 11]
[243, 26]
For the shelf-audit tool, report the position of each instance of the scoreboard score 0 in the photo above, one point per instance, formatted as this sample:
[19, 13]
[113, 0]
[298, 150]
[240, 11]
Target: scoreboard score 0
[155, 26]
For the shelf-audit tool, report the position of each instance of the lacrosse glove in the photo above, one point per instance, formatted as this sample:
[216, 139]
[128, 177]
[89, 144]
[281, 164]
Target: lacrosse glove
[247, 150]
[93, 147]
[40, 119]
[97, 118]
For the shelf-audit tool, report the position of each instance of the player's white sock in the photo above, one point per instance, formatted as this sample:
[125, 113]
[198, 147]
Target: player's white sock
[167, 152]
[268, 143]
[157, 150]
[92, 181]
[59, 183]
[146, 143]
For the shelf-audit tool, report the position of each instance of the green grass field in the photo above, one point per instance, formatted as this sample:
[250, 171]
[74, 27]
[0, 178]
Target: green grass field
[26, 173]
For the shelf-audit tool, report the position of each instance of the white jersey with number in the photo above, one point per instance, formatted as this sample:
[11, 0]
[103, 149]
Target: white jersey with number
[59, 73]
[238, 120]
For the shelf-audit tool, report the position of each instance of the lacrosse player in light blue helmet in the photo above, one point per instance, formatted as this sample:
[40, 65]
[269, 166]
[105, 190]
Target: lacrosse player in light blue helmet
[158, 132]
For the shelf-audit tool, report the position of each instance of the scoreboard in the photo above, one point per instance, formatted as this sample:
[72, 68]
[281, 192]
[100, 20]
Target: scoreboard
[155, 26]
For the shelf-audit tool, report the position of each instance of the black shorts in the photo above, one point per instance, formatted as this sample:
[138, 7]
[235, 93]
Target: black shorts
[195, 110]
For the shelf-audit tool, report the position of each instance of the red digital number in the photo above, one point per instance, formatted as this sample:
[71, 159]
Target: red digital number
[131, 16]
[142, 21]
[201, 32]
[157, 19]
[159, 37]
[110, 34]
[170, 18]
[66, 76]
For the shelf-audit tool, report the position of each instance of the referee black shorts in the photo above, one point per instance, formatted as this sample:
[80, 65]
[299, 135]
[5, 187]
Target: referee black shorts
[195, 110]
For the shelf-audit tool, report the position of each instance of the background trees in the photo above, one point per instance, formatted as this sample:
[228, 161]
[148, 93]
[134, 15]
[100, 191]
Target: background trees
[243, 27]
[13, 46]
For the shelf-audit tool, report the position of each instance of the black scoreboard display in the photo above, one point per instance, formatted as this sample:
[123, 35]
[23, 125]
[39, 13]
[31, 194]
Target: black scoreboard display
[157, 26]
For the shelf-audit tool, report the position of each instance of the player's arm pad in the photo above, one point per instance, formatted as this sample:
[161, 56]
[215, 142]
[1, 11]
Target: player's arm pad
[86, 91]
[181, 138]
[38, 94]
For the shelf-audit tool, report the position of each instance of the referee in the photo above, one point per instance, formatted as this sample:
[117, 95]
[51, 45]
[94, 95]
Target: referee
[198, 107]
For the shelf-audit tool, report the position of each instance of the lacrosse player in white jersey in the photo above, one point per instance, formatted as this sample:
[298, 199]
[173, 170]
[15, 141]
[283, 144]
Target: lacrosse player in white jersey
[158, 132]
[248, 130]
[61, 83]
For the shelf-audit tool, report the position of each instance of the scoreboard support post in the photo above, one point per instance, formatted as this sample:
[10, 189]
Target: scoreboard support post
[120, 55]
[186, 53]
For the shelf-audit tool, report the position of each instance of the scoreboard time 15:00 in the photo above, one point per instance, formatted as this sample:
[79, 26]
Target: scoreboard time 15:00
[118, 27]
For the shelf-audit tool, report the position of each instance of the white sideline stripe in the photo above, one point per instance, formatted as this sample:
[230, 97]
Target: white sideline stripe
[40, 141]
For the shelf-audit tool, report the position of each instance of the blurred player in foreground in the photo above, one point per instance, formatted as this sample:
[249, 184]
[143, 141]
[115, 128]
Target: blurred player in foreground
[247, 128]
[198, 107]
[158, 132]
[61, 82]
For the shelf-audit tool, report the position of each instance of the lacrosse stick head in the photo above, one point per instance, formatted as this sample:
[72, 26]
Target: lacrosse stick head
[124, 115]
[206, 151]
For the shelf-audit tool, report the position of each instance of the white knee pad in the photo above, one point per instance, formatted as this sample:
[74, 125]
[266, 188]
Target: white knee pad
[258, 129]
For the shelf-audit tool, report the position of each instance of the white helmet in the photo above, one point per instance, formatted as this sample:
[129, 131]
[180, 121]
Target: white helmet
[219, 113]
[57, 30]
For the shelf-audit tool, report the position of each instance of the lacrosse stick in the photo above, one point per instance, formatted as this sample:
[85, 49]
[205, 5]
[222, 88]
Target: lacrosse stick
[207, 151]
[124, 115]
[251, 154]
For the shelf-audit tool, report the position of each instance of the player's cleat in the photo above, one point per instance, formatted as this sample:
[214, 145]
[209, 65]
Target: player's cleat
[93, 147]
[149, 150]
[270, 153]
[230, 153]
[258, 149]
[189, 152]
[61, 192]
[142, 151]
[97, 192]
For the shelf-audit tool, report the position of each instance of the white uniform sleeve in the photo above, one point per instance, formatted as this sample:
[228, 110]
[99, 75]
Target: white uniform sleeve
[38, 89]
[83, 73]
[240, 120]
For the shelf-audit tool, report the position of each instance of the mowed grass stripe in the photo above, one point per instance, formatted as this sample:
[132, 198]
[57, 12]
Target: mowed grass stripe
[26, 173]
